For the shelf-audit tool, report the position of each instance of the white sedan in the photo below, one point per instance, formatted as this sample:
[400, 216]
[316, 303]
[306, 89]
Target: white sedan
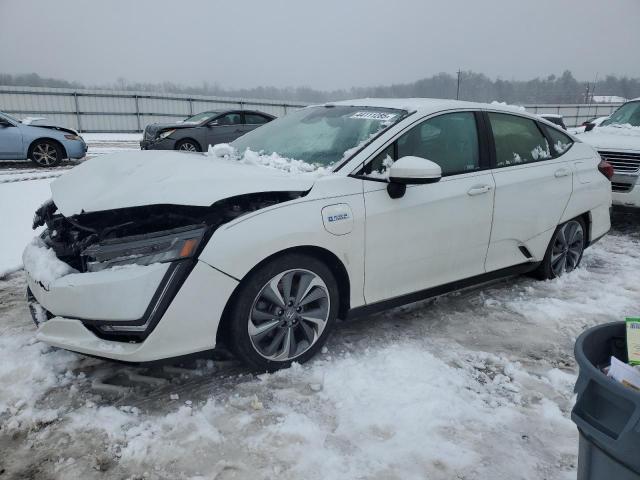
[333, 211]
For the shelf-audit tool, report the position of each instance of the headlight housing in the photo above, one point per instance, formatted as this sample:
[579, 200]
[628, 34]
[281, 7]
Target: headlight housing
[166, 133]
[73, 137]
[158, 247]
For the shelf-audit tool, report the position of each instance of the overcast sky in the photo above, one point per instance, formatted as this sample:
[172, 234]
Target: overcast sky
[323, 44]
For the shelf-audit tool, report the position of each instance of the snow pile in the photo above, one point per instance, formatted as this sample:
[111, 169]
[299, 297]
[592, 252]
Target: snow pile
[273, 160]
[42, 264]
[540, 153]
[18, 202]
[517, 108]
[383, 174]
[560, 146]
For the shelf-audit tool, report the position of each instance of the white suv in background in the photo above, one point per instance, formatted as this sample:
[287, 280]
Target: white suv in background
[617, 140]
[337, 210]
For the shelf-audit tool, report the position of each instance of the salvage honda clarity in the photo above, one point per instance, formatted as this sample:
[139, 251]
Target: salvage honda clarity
[333, 211]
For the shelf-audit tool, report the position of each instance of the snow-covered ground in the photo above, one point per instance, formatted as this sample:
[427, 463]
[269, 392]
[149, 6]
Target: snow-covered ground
[475, 385]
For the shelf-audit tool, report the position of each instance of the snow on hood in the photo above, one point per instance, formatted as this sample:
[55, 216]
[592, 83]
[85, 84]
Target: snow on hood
[131, 179]
[613, 137]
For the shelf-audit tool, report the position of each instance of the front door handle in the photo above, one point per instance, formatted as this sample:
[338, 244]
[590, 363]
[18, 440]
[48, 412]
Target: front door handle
[562, 172]
[479, 190]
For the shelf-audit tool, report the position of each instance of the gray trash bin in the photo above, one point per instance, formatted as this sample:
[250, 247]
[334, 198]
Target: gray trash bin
[607, 413]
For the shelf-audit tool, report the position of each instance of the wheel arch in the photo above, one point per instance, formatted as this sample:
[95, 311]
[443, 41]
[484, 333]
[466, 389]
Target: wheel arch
[185, 139]
[53, 140]
[330, 259]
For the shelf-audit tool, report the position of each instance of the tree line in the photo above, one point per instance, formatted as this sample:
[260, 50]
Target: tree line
[466, 85]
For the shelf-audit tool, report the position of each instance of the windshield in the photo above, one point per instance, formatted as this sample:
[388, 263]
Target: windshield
[13, 119]
[321, 136]
[201, 117]
[629, 113]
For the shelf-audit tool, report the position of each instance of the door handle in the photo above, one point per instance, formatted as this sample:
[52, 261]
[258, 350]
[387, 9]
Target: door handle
[238, 130]
[562, 172]
[479, 190]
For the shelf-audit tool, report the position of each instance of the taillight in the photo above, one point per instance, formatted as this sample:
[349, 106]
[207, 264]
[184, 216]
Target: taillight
[606, 169]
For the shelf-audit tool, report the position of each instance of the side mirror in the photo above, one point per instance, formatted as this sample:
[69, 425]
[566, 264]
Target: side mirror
[589, 126]
[411, 171]
[215, 123]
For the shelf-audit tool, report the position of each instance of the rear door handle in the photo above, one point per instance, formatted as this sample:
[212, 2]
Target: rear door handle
[562, 172]
[479, 190]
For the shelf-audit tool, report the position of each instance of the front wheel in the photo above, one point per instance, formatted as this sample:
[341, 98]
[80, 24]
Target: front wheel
[188, 146]
[45, 153]
[565, 250]
[283, 312]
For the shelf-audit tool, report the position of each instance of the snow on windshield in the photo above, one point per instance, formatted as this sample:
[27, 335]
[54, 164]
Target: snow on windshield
[272, 160]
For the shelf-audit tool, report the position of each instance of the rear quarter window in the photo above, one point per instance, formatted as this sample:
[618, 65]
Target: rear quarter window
[560, 142]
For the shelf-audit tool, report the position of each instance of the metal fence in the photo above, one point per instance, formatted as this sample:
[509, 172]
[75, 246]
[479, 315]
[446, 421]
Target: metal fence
[125, 111]
[120, 111]
[575, 114]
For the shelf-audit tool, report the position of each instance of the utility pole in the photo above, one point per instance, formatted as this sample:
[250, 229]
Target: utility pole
[458, 89]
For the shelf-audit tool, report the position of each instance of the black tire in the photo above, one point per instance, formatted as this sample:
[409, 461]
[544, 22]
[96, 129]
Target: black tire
[188, 145]
[248, 296]
[549, 268]
[45, 153]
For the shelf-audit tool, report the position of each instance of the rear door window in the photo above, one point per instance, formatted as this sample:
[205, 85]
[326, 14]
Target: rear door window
[255, 119]
[229, 119]
[517, 140]
[560, 142]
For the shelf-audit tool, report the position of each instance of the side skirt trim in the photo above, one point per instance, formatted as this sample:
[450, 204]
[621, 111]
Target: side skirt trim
[440, 290]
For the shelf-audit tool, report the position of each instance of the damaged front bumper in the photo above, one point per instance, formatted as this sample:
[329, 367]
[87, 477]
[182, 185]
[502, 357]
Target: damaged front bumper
[180, 318]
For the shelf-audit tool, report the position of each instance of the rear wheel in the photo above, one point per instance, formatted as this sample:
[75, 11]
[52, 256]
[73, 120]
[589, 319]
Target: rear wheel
[45, 153]
[188, 145]
[565, 250]
[283, 312]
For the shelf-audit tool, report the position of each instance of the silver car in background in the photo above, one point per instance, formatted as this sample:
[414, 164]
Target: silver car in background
[45, 145]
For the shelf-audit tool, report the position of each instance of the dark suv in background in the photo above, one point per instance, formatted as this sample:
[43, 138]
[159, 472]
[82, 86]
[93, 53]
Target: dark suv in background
[196, 133]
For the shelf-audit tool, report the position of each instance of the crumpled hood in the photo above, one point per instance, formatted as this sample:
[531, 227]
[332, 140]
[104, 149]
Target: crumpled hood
[154, 128]
[132, 179]
[613, 138]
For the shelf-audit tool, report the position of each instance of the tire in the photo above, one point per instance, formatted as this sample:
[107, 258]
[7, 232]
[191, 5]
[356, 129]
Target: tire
[565, 250]
[188, 145]
[267, 328]
[45, 153]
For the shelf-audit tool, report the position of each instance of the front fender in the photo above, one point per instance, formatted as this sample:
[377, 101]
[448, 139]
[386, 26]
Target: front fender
[237, 247]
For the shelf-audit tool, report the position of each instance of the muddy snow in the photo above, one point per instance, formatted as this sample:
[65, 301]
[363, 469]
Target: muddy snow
[473, 385]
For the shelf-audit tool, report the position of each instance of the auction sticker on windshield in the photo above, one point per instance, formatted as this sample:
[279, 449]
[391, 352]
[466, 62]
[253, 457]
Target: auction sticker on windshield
[382, 116]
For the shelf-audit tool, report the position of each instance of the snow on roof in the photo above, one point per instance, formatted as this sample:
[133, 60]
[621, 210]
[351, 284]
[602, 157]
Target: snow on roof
[428, 105]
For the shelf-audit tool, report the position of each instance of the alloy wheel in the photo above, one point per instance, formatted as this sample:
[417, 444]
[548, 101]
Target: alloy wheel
[187, 147]
[289, 315]
[45, 154]
[567, 248]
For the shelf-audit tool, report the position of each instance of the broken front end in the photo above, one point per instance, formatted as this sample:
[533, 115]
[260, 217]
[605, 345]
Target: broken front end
[104, 283]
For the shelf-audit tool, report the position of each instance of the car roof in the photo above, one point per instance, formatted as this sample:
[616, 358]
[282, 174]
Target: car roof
[427, 106]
